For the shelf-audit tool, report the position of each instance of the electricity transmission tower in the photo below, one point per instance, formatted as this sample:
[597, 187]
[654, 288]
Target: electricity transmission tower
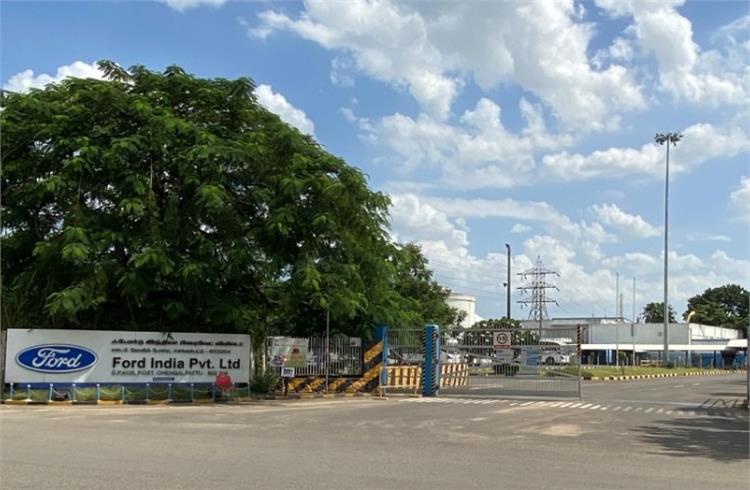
[536, 282]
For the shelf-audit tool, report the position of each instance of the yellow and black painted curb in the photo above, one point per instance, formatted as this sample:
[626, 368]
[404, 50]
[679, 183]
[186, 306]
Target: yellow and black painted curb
[661, 375]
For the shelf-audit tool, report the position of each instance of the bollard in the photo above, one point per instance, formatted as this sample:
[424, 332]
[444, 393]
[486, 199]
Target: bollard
[148, 390]
[192, 392]
[11, 391]
[169, 392]
[28, 393]
[49, 398]
[74, 392]
[98, 393]
[122, 393]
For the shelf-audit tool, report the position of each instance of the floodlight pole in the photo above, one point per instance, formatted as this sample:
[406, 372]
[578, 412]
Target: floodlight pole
[667, 138]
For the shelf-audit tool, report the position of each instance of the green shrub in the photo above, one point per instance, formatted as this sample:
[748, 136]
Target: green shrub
[586, 375]
[669, 365]
[265, 382]
[507, 369]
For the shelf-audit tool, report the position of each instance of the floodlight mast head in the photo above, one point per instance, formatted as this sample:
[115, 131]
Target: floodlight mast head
[673, 138]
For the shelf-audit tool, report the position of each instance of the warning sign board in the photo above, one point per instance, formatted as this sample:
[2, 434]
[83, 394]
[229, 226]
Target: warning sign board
[501, 340]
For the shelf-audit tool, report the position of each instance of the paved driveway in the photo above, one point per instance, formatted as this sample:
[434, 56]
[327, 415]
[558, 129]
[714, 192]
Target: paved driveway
[451, 443]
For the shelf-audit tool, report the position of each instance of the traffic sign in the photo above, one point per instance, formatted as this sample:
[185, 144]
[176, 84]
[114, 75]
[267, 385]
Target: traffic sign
[501, 340]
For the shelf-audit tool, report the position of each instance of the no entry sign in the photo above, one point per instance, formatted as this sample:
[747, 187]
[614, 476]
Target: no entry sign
[501, 340]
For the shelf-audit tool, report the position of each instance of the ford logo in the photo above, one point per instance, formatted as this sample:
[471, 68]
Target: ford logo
[56, 358]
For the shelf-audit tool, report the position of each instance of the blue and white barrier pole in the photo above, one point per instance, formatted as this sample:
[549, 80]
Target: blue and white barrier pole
[431, 361]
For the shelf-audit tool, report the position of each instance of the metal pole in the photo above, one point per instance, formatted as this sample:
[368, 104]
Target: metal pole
[666, 261]
[328, 345]
[632, 323]
[508, 290]
[617, 294]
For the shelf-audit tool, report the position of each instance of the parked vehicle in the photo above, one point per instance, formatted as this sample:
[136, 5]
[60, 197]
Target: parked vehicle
[553, 354]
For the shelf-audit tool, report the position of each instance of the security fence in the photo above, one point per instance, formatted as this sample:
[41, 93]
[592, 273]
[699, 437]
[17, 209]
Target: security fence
[316, 356]
[405, 347]
[543, 361]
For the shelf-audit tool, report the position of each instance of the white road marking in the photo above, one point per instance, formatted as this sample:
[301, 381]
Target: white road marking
[659, 410]
[593, 407]
[587, 405]
[565, 405]
[648, 410]
[627, 409]
[618, 407]
[576, 405]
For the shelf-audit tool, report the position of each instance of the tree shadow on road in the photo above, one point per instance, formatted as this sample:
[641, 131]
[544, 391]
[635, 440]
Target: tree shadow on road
[723, 439]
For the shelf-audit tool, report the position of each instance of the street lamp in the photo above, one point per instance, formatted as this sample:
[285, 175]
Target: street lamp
[667, 138]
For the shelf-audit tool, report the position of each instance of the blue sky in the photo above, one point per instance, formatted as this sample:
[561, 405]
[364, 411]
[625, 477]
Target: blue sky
[488, 123]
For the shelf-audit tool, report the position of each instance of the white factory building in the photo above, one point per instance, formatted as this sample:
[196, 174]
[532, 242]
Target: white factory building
[603, 338]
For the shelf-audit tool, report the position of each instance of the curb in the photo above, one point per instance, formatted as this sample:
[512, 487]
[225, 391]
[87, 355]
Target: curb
[295, 396]
[661, 375]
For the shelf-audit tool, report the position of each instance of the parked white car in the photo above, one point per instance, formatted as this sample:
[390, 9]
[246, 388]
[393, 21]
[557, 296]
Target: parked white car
[553, 353]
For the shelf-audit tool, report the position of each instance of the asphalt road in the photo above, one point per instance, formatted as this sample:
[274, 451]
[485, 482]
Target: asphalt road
[625, 437]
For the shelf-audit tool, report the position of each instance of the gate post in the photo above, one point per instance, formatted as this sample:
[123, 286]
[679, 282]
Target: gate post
[381, 336]
[431, 361]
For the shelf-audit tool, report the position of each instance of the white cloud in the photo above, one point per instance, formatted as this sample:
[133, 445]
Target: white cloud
[631, 225]
[431, 49]
[478, 153]
[709, 238]
[739, 200]
[701, 143]
[587, 280]
[519, 228]
[182, 5]
[341, 72]
[26, 80]
[713, 77]
[278, 104]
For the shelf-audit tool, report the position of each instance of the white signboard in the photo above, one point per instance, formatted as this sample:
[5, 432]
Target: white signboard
[505, 355]
[501, 340]
[106, 356]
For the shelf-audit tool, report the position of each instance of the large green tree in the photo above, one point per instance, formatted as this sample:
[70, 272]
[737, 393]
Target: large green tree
[725, 306]
[421, 300]
[164, 201]
[654, 313]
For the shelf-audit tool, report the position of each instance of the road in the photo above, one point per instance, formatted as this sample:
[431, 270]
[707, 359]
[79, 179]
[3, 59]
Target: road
[624, 437]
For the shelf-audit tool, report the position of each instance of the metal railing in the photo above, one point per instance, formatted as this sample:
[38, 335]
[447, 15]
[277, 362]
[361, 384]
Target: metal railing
[405, 347]
[536, 361]
[122, 393]
[344, 356]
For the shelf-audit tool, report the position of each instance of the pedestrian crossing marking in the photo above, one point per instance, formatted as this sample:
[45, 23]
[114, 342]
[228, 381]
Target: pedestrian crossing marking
[579, 405]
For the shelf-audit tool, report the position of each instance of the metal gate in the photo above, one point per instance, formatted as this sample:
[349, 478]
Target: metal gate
[541, 362]
[405, 356]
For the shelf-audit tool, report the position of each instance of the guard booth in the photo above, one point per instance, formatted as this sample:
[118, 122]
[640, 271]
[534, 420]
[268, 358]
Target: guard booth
[542, 362]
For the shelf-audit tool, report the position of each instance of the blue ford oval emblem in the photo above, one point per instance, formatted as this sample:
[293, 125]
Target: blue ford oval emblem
[56, 358]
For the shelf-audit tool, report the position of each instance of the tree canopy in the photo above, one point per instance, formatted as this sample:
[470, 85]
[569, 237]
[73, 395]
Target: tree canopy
[725, 306]
[164, 201]
[654, 313]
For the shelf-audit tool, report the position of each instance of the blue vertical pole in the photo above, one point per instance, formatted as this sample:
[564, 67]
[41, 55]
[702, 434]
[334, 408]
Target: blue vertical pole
[431, 361]
[381, 335]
